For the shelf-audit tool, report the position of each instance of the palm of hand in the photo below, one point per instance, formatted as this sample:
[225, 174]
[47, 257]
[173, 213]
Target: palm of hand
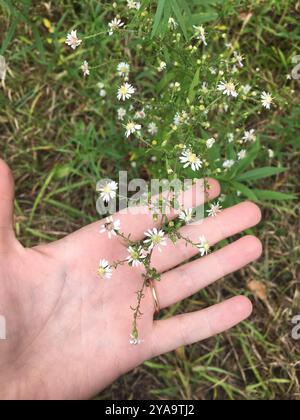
[68, 331]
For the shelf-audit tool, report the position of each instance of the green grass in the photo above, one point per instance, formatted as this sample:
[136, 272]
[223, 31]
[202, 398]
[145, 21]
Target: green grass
[51, 133]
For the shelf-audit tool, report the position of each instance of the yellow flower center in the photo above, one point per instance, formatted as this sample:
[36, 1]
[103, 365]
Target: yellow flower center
[123, 90]
[230, 86]
[193, 157]
[156, 239]
[106, 189]
[101, 271]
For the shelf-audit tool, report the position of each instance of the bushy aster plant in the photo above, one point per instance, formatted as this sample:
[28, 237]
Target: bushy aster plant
[203, 119]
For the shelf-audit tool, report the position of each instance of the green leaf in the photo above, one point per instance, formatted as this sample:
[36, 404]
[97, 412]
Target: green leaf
[244, 163]
[38, 41]
[273, 195]
[179, 16]
[9, 36]
[194, 84]
[201, 18]
[246, 191]
[158, 17]
[260, 173]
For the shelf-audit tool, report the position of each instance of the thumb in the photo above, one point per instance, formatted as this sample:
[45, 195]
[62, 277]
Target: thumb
[6, 203]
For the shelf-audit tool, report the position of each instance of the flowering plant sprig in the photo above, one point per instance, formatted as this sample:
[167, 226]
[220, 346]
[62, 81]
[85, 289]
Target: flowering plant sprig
[140, 255]
[201, 121]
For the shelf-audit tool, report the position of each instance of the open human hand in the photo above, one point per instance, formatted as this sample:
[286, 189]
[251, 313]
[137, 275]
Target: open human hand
[68, 330]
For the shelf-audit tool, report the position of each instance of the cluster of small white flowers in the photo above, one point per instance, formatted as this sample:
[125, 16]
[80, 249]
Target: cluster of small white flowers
[74, 42]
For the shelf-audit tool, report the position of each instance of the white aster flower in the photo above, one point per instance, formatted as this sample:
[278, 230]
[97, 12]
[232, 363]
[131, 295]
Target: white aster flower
[234, 70]
[200, 34]
[136, 256]
[140, 115]
[73, 41]
[239, 59]
[109, 191]
[152, 129]
[104, 270]
[121, 114]
[242, 154]
[134, 340]
[230, 138]
[131, 128]
[228, 164]
[186, 216]
[214, 209]
[85, 68]
[102, 93]
[131, 4]
[266, 100]
[111, 227]
[156, 238]
[246, 89]
[114, 25]
[210, 143]
[162, 66]
[204, 87]
[125, 92]
[271, 153]
[173, 25]
[228, 88]
[123, 69]
[181, 118]
[249, 136]
[188, 158]
[203, 246]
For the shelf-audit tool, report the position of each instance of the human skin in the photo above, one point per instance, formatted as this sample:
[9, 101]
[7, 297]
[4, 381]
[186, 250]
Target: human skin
[68, 330]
